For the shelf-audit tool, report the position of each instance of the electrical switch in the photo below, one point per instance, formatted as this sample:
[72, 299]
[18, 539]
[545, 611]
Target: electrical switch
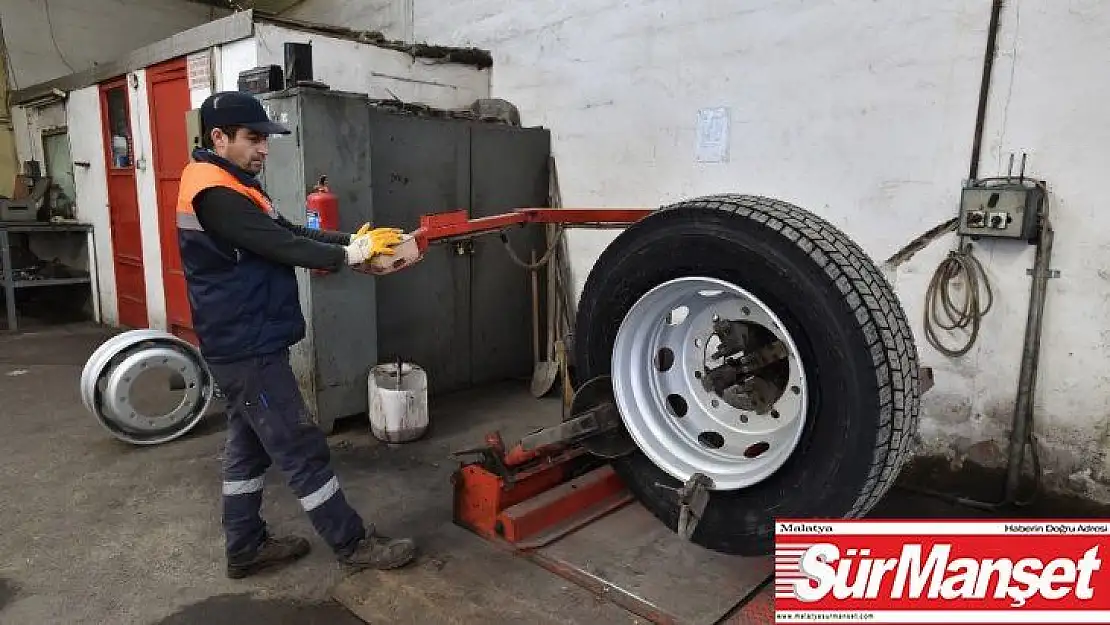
[976, 219]
[1000, 221]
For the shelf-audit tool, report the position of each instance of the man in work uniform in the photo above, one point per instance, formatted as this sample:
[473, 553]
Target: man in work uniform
[238, 255]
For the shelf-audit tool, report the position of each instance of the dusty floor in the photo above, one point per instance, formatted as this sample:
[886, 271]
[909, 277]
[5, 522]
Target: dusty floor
[97, 531]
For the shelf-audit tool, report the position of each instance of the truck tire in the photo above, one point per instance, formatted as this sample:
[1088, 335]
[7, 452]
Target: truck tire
[821, 434]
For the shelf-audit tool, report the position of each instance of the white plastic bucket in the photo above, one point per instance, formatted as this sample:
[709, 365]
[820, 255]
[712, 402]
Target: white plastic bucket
[398, 399]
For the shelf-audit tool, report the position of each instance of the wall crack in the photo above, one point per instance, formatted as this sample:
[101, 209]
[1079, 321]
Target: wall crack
[907, 251]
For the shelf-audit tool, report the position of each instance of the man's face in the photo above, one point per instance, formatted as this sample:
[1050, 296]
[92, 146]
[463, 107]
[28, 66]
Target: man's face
[247, 149]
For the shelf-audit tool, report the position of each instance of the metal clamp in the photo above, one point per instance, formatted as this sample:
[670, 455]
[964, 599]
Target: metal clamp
[1049, 273]
[692, 499]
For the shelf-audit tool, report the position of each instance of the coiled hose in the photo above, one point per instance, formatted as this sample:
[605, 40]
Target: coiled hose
[960, 265]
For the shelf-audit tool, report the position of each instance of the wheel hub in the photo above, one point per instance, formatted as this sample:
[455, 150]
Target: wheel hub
[708, 381]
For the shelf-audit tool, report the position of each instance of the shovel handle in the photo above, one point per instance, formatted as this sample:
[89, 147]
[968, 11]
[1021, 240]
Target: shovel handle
[535, 311]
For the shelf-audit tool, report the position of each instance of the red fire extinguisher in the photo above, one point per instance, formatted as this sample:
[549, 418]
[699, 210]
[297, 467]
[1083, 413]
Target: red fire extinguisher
[322, 207]
[322, 211]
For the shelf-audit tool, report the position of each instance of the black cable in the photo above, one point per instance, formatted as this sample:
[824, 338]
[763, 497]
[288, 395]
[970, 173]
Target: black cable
[961, 265]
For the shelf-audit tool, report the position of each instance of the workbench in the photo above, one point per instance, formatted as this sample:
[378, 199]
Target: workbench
[11, 279]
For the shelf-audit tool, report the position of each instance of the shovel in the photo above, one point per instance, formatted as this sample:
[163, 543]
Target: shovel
[546, 371]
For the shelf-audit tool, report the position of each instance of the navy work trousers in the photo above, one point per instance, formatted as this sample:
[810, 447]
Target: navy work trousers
[267, 422]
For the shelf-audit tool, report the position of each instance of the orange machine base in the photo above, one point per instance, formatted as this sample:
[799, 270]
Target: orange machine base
[534, 507]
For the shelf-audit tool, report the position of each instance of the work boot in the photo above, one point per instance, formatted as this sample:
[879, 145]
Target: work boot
[272, 552]
[380, 552]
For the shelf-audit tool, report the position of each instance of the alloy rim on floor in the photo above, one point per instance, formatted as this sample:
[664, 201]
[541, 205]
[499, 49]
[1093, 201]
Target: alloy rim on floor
[708, 381]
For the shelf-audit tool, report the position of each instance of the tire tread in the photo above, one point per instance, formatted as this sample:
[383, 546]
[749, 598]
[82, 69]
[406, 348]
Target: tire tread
[877, 309]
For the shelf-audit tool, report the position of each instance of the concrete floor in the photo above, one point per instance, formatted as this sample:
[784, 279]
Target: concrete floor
[97, 531]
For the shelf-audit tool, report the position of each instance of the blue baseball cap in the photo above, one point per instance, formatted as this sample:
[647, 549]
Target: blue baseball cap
[235, 108]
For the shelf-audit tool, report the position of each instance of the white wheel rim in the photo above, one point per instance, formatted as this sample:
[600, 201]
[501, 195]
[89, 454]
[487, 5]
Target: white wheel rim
[735, 448]
[108, 374]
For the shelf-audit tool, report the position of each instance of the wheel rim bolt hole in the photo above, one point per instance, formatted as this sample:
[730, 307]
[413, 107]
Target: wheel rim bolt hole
[795, 390]
[712, 440]
[743, 418]
[664, 360]
[677, 315]
[677, 405]
[756, 450]
[774, 414]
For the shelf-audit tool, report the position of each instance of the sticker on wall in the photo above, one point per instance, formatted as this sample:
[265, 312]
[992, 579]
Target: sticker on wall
[713, 135]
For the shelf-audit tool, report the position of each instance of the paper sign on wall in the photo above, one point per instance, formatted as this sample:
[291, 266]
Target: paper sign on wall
[200, 71]
[713, 135]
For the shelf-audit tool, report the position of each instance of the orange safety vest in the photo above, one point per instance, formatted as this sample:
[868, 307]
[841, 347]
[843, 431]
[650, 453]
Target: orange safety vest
[242, 304]
[200, 176]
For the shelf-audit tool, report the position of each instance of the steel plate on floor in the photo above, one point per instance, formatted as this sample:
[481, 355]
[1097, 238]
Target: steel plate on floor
[632, 553]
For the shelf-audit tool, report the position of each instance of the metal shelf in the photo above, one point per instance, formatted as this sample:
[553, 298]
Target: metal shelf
[20, 284]
[8, 282]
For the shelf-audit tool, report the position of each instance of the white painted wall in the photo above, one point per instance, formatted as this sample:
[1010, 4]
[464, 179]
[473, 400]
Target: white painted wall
[233, 58]
[1047, 101]
[860, 111]
[146, 186]
[875, 138]
[28, 123]
[393, 18]
[46, 40]
[379, 72]
[87, 145]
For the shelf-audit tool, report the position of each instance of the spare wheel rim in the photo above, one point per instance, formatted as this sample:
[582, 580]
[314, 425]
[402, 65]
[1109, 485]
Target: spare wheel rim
[111, 371]
[661, 356]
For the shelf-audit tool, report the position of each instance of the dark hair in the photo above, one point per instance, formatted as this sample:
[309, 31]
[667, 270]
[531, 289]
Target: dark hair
[206, 137]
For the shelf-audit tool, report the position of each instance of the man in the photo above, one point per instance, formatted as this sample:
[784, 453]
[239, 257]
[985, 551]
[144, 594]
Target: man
[238, 255]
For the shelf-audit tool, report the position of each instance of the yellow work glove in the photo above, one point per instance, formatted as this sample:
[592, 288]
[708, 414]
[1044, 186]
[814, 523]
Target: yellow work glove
[382, 240]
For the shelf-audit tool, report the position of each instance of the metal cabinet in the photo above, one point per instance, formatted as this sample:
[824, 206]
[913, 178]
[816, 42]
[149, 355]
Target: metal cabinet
[464, 312]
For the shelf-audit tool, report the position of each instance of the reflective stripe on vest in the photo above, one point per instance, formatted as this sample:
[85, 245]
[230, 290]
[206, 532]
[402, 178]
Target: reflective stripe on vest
[197, 177]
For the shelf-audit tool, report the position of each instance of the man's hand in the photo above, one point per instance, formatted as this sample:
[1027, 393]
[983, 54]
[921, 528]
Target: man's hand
[382, 239]
[366, 243]
[359, 251]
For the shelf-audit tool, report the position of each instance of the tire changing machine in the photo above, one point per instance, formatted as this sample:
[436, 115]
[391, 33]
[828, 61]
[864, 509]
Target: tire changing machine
[553, 498]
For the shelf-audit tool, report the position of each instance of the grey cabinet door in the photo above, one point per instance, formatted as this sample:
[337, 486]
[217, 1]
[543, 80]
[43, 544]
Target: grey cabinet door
[509, 170]
[335, 142]
[421, 166]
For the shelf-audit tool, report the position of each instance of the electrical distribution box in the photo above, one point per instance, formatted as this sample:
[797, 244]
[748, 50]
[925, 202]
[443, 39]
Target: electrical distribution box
[1008, 211]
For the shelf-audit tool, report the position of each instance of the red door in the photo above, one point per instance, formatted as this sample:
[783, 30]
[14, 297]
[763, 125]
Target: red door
[123, 203]
[168, 85]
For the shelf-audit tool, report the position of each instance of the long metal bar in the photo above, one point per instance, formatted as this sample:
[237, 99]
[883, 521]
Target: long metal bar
[451, 225]
[984, 88]
[1030, 358]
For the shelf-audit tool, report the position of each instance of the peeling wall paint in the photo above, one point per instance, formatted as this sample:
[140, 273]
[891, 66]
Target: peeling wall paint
[378, 72]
